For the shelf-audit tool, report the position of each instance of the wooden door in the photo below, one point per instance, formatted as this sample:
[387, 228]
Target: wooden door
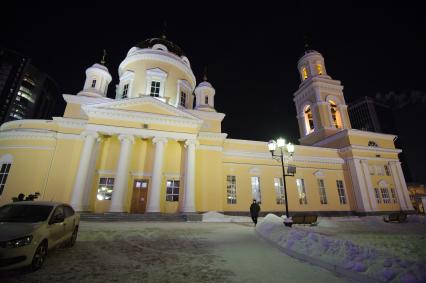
[139, 196]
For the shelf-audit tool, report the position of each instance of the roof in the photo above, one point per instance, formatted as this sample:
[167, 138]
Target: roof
[171, 47]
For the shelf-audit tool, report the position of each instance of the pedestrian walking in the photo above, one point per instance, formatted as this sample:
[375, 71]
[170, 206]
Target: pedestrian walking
[254, 211]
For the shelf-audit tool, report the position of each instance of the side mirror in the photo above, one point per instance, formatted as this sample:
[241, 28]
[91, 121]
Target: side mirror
[59, 218]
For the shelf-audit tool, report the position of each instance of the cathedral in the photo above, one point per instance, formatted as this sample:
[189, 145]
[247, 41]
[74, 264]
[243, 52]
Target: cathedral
[158, 147]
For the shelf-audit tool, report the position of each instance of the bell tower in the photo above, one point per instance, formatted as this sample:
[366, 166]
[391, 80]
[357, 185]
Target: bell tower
[320, 104]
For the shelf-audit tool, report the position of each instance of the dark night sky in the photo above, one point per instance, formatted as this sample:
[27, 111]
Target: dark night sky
[251, 51]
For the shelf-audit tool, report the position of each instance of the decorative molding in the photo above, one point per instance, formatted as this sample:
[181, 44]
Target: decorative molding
[106, 172]
[174, 176]
[63, 136]
[319, 174]
[209, 147]
[159, 140]
[369, 148]
[26, 147]
[255, 171]
[124, 137]
[70, 122]
[206, 115]
[140, 174]
[27, 134]
[191, 142]
[85, 100]
[212, 136]
[315, 159]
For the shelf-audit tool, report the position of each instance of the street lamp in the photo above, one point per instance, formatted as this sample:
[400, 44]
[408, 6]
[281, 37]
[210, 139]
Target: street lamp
[284, 151]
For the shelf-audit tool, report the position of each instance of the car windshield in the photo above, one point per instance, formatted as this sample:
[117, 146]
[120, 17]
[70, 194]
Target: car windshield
[24, 213]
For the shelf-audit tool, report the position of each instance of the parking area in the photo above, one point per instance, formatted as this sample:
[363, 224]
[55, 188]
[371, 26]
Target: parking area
[171, 252]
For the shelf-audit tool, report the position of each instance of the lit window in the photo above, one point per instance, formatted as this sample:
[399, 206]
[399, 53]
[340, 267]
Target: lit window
[385, 195]
[231, 188]
[93, 83]
[304, 73]
[155, 89]
[105, 188]
[334, 114]
[341, 191]
[377, 193]
[279, 190]
[206, 100]
[4, 172]
[323, 195]
[319, 69]
[309, 121]
[255, 186]
[125, 90]
[301, 191]
[172, 190]
[388, 173]
[182, 101]
[394, 198]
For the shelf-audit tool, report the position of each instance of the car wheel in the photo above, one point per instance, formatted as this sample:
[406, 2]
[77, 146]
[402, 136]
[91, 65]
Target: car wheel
[39, 256]
[73, 237]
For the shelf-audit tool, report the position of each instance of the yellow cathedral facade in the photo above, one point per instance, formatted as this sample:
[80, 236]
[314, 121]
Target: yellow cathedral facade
[158, 147]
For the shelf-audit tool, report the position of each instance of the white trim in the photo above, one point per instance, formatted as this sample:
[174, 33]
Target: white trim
[82, 99]
[212, 136]
[143, 133]
[206, 115]
[70, 122]
[209, 147]
[27, 134]
[26, 147]
[347, 132]
[6, 158]
[247, 142]
[319, 174]
[140, 174]
[172, 176]
[106, 172]
[369, 148]
[68, 136]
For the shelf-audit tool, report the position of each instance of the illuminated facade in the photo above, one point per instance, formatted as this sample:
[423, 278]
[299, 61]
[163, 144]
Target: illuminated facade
[158, 147]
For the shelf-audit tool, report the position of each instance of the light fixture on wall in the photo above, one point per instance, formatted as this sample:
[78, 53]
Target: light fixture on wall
[283, 152]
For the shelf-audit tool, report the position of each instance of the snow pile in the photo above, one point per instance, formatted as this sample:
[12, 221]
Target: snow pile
[344, 254]
[214, 216]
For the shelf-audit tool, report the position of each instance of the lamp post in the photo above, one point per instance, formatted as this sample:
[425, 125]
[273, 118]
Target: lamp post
[284, 150]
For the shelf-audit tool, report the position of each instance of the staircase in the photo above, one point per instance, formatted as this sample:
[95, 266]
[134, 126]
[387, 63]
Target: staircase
[127, 217]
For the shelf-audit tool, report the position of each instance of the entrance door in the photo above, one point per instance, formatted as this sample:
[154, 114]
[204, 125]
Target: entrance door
[139, 197]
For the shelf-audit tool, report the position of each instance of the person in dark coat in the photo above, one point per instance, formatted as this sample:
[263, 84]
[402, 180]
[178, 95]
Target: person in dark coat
[21, 197]
[254, 211]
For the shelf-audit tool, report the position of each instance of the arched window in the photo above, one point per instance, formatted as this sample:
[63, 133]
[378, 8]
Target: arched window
[335, 115]
[309, 120]
[304, 73]
[319, 69]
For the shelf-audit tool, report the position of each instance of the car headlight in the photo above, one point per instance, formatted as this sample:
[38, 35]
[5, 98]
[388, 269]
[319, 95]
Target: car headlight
[16, 243]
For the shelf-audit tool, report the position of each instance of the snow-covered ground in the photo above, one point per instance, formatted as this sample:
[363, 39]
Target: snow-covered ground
[366, 246]
[171, 252]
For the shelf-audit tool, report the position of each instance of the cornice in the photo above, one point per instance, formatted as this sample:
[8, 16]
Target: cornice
[70, 123]
[28, 134]
[208, 115]
[85, 100]
[369, 148]
[212, 136]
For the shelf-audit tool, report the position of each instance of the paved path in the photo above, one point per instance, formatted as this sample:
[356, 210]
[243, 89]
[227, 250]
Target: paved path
[171, 252]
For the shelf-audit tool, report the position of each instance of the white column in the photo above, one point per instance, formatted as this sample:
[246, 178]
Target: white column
[342, 109]
[78, 192]
[359, 189]
[189, 191]
[157, 173]
[370, 188]
[122, 176]
[401, 186]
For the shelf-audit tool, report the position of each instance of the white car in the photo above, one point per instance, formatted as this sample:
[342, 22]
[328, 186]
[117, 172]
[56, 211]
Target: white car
[28, 229]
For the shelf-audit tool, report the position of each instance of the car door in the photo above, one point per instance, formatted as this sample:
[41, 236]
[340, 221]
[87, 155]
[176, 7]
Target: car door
[69, 221]
[56, 230]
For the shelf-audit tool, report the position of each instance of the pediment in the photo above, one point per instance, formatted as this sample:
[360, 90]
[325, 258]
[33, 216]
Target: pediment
[143, 105]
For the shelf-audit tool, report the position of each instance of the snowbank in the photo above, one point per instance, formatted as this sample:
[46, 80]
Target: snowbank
[214, 216]
[362, 263]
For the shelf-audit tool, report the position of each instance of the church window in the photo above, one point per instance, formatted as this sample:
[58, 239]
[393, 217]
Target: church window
[301, 191]
[304, 73]
[341, 191]
[182, 101]
[172, 190]
[377, 193]
[319, 69]
[155, 89]
[93, 83]
[125, 90]
[4, 173]
[309, 121]
[335, 115]
[380, 170]
[231, 188]
[322, 193]
[105, 188]
[387, 170]
[394, 199]
[206, 100]
[385, 195]
[255, 186]
[279, 190]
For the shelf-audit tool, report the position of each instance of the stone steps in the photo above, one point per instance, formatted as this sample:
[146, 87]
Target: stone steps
[163, 217]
